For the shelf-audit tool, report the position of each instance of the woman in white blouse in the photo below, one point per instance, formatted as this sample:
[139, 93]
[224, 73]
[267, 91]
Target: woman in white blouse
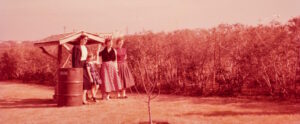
[79, 56]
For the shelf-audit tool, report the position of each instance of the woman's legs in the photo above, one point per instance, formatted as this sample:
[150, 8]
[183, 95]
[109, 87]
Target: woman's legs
[107, 97]
[124, 93]
[84, 97]
[96, 89]
[118, 94]
[94, 92]
[121, 93]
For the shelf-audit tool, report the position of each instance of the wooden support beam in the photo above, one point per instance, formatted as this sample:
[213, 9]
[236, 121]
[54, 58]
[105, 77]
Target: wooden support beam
[47, 53]
[93, 37]
[67, 48]
[67, 60]
[75, 36]
[50, 43]
[59, 55]
[68, 39]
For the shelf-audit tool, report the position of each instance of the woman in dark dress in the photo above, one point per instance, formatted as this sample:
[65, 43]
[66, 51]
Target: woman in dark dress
[79, 56]
[109, 70]
[125, 75]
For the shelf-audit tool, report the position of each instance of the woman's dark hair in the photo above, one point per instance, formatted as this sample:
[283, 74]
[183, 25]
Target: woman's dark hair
[107, 40]
[119, 40]
[82, 36]
[78, 40]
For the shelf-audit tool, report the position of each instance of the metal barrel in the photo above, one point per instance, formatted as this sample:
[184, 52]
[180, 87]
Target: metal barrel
[70, 86]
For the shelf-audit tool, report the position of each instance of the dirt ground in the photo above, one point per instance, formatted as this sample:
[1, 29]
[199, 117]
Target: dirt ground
[29, 103]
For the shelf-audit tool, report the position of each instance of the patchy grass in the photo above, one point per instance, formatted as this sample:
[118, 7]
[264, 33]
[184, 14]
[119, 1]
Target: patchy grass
[29, 103]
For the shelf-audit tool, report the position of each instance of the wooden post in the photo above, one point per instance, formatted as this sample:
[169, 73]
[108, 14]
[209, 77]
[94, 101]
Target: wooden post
[59, 58]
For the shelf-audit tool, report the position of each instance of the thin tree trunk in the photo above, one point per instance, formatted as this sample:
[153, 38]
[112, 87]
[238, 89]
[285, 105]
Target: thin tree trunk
[149, 109]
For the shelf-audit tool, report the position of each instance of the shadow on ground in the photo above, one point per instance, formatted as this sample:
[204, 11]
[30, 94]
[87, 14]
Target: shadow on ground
[239, 106]
[205, 100]
[155, 122]
[247, 107]
[27, 103]
[233, 113]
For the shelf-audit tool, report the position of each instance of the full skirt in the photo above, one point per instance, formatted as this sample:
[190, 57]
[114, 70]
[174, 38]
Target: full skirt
[110, 78]
[125, 75]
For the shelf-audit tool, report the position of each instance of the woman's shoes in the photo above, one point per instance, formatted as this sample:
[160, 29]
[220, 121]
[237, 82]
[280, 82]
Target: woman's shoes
[94, 99]
[122, 97]
[106, 98]
[84, 102]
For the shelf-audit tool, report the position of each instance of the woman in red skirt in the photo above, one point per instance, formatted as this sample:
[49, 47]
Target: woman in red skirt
[109, 70]
[125, 75]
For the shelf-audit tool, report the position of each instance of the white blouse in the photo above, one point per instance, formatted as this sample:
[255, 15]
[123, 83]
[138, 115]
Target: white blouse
[84, 52]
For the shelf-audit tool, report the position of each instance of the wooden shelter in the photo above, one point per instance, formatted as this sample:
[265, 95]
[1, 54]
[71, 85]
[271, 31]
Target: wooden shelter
[61, 41]
[70, 38]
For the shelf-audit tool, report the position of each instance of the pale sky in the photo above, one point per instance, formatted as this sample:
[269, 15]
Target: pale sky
[36, 19]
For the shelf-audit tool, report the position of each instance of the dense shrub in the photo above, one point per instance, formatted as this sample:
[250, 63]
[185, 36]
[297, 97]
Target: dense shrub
[226, 60]
[26, 62]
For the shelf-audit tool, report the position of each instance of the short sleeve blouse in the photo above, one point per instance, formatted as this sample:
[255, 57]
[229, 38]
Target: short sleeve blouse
[121, 54]
[108, 56]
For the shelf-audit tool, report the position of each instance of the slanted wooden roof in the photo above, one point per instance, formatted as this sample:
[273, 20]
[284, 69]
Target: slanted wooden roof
[70, 38]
